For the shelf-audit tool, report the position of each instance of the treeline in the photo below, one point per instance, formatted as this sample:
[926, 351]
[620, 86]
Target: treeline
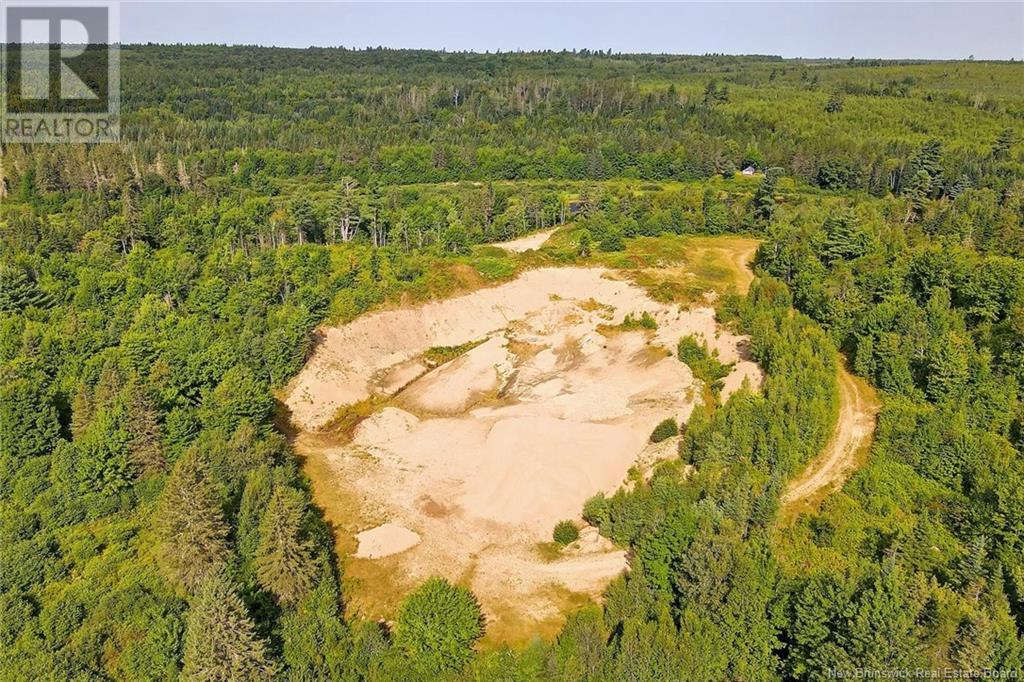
[241, 213]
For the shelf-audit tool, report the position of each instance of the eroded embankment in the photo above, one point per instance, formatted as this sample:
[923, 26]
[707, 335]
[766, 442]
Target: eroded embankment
[468, 465]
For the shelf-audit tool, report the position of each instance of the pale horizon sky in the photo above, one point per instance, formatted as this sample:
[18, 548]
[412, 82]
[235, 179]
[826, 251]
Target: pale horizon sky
[886, 30]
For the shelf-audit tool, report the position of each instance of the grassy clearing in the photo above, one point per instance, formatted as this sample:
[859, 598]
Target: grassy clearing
[683, 269]
[507, 628]
[548, 551]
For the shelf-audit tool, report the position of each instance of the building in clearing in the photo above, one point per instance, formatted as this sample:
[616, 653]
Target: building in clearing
[749, 170]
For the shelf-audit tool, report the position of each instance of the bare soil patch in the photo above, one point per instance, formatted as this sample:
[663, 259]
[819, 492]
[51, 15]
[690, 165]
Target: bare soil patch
[527, 243]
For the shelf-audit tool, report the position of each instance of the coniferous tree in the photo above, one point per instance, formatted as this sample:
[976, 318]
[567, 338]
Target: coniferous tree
[190, 528]
[317, 641]
[716, 216]
[585, 245]
[221, 644]
[82, 410]
[307, 227]
[143, 430]
[17, 291]
[843, 239]
[29, 424]
[763, 203]
[879, 628]
[284, 564]
[835, 103]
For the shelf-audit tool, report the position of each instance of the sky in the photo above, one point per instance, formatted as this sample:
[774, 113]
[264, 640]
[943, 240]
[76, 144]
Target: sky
[890, 30]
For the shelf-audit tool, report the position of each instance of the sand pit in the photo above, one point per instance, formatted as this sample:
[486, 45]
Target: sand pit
[479, 458]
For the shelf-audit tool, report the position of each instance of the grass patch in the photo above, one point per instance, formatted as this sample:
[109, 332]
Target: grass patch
[494, 269]
[632, 322]
[347, 417]
[438, 355]
[570, 352]
[548, 551]
[681, 269]
[509, 627]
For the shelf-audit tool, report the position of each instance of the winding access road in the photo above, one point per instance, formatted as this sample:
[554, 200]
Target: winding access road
[845, 451]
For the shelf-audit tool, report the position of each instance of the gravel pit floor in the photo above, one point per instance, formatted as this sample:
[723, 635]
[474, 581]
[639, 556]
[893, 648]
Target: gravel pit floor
[481, 456]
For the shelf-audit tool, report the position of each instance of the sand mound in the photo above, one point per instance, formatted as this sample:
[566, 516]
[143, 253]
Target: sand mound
[495, 447]
[383, 426]
[384, 541]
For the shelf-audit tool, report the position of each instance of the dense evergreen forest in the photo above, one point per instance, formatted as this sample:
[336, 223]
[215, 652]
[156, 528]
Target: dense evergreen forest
[155, 296]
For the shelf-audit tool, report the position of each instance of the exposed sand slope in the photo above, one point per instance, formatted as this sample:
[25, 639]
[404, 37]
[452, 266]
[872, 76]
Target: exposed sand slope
[480, 457]
[344, 365]
[527, 243]
[858, 407]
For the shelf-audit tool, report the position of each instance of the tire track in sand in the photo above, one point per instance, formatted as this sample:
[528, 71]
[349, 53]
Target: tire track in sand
[846, 449]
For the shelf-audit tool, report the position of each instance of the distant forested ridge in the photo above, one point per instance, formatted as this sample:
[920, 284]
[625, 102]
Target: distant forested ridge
[156, 294]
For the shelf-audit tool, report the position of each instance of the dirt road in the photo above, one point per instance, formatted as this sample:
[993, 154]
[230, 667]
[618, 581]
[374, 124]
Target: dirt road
[743, 257]
[527, 243]
[846, 450]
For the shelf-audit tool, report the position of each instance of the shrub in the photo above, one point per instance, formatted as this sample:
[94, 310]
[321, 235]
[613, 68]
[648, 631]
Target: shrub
[666, 429]
[645, 321]
[613, 242]
[565, 532]
[595, 510]
[704, 365]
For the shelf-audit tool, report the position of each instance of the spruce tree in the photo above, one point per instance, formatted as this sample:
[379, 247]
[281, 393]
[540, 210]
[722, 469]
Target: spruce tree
[82, 411]
[716, 216]
[763, 203]
[284, 564]
[221, 641]
[835, 103]
[143, 429]
[29, 425]
[190, 527]
[1001, 147]
[844, 240]
[317, 641]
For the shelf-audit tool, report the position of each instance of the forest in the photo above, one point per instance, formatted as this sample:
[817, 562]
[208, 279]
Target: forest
[156, 296]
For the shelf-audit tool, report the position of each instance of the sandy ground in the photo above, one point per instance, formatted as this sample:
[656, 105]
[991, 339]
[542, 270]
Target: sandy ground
[363, 357]
[527, 243]
[385, 540]
[858, 407]
[471, 464]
